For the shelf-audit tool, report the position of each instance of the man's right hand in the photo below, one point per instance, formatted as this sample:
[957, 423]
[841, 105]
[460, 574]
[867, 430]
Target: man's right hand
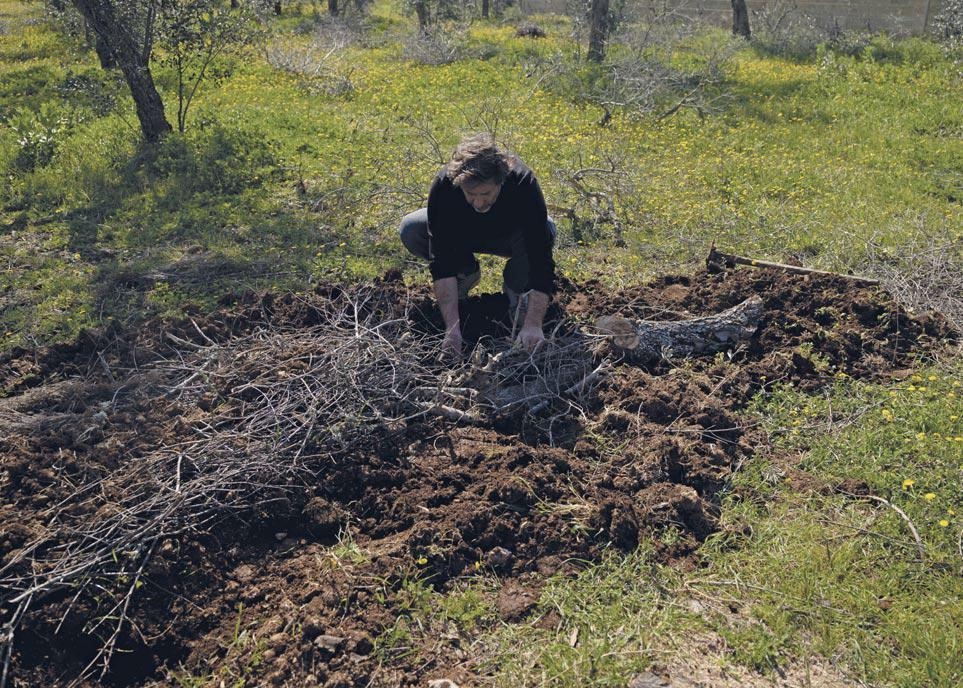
[451, 347]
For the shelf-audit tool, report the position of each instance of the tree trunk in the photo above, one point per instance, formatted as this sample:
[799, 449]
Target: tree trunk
[333, 8]
[424, 17]
[126, 53]
[486, 8]
[598, 29]
[647, 341]
[277, 7]
[740, 19]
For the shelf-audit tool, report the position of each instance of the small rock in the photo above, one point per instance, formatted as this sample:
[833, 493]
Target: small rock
[244, 573]
[499, 558]
[696, 607]
[278, 640]
[279, 536]
[442, 683]
[649, 680]
[329, 643]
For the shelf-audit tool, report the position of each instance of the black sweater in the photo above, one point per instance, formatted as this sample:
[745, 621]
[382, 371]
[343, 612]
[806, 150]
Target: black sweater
[456, 230]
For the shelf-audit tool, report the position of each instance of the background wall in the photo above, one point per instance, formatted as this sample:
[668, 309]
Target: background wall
[896, 16]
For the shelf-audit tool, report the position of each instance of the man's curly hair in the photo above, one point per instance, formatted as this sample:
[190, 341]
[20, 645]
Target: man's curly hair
[479, 158]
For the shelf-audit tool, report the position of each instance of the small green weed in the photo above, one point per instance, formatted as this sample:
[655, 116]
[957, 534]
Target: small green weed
[421, 612]
[243, 654]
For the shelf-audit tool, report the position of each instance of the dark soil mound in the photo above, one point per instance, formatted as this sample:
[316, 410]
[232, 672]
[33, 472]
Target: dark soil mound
[309, 549]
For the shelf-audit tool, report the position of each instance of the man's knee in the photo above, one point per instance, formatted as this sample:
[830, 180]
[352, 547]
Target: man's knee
[414, 233]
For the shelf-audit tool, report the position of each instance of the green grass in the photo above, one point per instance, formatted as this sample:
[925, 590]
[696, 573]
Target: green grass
[606, 625]
[854, 551]
[809, 159]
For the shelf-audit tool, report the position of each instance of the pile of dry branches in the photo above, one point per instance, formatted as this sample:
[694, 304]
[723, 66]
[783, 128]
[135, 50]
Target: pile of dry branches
[255, 417]
[247, 422]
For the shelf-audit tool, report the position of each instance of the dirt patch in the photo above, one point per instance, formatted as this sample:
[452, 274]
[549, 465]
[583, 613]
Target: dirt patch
[292, 567]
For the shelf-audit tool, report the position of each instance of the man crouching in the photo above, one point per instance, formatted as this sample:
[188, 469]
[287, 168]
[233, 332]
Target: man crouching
[485, 201]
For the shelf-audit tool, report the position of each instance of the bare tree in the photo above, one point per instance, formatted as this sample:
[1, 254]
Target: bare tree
[118, 45]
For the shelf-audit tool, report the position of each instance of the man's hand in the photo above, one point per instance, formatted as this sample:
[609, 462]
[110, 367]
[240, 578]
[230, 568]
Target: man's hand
[451, 347]
[531, 337]
[446, 292]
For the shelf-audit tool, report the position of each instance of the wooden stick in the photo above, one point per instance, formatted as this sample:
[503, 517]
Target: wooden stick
[902, 514]
[718, 261]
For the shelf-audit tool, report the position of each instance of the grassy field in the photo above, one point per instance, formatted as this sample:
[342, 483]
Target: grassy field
[823, 160]
[302, 155]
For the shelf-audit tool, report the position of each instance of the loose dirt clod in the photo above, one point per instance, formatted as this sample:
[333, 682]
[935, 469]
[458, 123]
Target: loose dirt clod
[145, 474]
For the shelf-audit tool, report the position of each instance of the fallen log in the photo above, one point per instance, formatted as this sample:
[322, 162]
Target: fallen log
[718, 261]
[647, 341]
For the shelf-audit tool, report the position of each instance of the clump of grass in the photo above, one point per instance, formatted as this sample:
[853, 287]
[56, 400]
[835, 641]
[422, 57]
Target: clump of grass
[421, 613]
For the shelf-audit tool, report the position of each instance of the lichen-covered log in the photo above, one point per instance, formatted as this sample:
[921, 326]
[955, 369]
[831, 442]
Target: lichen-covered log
[646, 341]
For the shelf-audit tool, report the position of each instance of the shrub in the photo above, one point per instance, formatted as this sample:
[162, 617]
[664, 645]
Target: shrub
[317, 65]
[217, 159]
[90, 88]
[437, 45]
[779, 28]
[38, 135]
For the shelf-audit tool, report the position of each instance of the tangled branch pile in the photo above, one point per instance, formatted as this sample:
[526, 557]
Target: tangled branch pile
[257, 416]
[248, 424]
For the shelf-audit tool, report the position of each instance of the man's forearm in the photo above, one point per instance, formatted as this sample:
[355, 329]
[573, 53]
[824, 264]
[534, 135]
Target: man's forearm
[537, 306]
[446, 294]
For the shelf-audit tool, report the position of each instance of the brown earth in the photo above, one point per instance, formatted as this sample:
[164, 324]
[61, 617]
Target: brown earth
[314, 570]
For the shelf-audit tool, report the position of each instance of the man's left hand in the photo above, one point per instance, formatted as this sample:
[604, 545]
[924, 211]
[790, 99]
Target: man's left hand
[531, 337]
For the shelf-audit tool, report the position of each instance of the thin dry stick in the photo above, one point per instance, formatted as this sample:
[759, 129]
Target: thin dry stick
[902, 515]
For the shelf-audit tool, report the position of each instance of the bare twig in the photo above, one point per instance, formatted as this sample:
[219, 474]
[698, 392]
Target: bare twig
[717, 260]
[902, 515]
